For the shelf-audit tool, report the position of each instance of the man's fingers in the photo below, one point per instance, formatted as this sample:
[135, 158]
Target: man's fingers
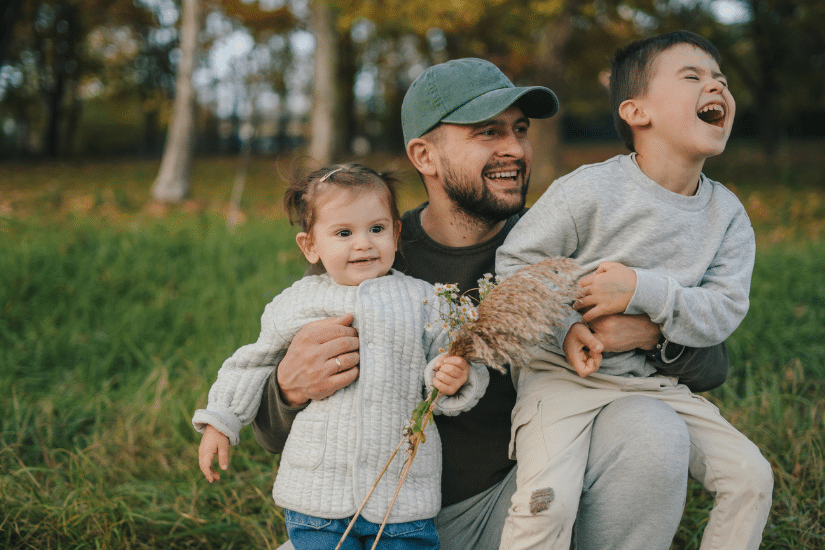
[337, 381]
[345, 349]
[331, 328]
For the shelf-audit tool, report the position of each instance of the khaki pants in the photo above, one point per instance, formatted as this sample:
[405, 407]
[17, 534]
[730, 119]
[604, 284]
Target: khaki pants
[552, 424]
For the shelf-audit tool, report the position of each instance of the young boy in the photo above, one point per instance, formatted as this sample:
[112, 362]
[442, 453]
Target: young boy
[689, 248]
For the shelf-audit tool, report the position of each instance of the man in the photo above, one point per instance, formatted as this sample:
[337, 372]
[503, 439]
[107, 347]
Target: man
[465, 128]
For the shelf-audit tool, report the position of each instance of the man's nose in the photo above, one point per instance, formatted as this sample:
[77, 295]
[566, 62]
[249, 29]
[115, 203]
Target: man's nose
[511, 146]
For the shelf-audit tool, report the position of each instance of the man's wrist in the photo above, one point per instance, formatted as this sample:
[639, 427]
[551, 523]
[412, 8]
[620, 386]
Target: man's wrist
[290, 399]
[665, 351]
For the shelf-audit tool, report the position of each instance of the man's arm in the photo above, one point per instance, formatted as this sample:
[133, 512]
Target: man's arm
[322, 358]
[700, 369]
[274, 419]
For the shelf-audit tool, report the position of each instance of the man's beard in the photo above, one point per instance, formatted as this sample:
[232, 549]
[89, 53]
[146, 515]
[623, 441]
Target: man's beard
[479, 204]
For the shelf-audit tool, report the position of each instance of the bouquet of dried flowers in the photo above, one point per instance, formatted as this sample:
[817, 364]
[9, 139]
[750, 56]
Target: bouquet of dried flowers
[511, 317]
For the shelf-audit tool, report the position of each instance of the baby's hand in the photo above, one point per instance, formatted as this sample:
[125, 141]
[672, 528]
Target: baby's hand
[451, 373]
[213, 442]
[583, 350]
[607, 290]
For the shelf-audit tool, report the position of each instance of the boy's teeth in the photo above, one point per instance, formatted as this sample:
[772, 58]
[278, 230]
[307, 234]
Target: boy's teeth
[712, 113]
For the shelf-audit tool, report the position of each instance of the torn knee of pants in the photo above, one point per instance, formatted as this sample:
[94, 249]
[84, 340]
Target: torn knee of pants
[540, 500]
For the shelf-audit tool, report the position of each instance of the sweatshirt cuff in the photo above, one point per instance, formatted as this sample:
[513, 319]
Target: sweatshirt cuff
[467, 395]
[560, 332]
[649, 297]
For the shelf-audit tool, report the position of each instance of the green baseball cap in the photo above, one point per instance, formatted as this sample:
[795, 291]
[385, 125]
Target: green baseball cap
[467, 91]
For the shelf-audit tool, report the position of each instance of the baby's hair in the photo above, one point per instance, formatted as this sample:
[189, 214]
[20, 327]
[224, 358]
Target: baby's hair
[632, 68]
[300, 198]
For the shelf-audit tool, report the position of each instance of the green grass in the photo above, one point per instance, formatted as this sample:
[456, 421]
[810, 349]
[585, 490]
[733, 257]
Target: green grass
[109, 340]
[115, 315]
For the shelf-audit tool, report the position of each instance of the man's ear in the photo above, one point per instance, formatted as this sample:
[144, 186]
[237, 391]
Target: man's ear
[632, 111]
[307, 246]
[422, 154]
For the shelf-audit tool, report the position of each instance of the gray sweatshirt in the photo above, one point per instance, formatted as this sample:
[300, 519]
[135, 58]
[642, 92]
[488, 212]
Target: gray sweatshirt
[693, 256]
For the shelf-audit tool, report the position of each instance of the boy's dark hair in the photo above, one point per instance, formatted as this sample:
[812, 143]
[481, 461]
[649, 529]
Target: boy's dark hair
[300, 197]
[632, 66]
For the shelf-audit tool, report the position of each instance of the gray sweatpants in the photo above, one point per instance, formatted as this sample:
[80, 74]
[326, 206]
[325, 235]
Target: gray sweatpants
[632, 498]
[551, 437]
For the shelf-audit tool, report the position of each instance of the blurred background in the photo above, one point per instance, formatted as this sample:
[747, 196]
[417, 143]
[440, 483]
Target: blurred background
[92, 78]
[144, 149]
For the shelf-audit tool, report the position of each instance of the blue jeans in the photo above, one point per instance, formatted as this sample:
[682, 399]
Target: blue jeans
[311, 533]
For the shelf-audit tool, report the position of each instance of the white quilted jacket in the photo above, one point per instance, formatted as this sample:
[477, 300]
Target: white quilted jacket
[338, 445]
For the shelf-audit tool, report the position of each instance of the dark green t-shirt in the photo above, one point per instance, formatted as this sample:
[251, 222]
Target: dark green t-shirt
[483, 432]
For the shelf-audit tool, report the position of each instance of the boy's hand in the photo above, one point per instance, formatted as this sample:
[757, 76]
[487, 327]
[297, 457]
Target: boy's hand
[583, 350]
[213, 442]
[607, 290]
[451, 373]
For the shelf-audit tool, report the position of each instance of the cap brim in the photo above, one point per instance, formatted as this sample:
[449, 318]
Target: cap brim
[534, 101]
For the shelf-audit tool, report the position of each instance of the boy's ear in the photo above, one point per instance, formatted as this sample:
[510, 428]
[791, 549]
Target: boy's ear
[632, 111]
[307, 246]
[422, 155]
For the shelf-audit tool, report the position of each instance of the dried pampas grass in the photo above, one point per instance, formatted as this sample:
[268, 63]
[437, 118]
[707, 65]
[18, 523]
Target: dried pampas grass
[519, 313]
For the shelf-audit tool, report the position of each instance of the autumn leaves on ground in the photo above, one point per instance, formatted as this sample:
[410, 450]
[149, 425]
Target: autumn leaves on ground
[116, 312]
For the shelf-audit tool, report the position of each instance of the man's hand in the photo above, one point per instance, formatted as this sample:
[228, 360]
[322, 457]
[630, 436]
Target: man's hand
[607, 290]
[213, 443]
[322, 358]
[625, 332]
[583, 350]
[451, 373]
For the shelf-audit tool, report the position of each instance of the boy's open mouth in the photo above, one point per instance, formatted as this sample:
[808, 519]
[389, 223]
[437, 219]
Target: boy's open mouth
[712, 114]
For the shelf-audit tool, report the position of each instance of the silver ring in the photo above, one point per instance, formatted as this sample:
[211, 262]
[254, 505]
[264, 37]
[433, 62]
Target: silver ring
[337, 362]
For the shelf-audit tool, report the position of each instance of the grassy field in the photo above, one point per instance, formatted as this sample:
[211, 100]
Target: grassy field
[115, 314]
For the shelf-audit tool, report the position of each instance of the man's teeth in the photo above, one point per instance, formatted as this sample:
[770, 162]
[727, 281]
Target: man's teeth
[496, 175]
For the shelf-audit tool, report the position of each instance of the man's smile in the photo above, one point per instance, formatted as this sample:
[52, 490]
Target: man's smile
[511, 174]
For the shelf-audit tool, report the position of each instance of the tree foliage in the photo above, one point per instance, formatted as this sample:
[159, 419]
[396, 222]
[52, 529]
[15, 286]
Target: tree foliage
[55, 54]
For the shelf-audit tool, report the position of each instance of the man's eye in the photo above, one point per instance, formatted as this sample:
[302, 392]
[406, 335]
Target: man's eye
[376, 229]
[692, 77]
[344, 233]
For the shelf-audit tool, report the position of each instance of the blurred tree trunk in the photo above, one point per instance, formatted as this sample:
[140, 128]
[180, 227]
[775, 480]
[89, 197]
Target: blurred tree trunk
[8, 18]
[324, 140]
[347, 129]
[551, 59]
[172, 182]
[54, 113]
